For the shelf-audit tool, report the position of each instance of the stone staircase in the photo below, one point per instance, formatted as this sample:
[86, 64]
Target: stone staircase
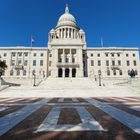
[66, 87]
[67, 83]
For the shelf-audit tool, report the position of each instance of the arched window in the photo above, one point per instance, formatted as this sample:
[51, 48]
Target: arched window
[67, 72]
[60, 72]
[74, 72]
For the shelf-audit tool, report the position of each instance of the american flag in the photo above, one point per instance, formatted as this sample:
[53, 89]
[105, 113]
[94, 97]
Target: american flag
[32, 41]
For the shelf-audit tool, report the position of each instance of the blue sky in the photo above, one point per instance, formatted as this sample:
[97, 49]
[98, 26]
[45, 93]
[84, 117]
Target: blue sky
[118, 21]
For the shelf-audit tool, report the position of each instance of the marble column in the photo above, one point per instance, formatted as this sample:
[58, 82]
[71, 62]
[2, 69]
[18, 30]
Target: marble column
[63, 72]
[68, 32]
[70, 72]
[63, 60]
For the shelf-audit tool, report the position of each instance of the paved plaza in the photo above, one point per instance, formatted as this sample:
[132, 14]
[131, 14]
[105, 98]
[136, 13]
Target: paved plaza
[98, 118]
[70, 109]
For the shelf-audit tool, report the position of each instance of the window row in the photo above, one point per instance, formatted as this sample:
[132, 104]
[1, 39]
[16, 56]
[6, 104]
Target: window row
[67, 60]
[18, 72]
[19, 54]
[113, 63]
[116, 72]
[35, 62]
[112, 54]
[25, 63]
[24, 72]
[25, 54]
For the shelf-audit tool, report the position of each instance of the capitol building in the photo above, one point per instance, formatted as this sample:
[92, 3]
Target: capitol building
[67, 55]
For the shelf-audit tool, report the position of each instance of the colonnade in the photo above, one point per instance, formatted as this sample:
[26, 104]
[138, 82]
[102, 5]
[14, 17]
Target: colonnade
[66, 55]
[67, 72]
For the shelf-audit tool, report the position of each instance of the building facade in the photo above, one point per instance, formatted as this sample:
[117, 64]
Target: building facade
[67, 55]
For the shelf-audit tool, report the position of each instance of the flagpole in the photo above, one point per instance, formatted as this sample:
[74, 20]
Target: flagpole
[31, 42]
[102, 43]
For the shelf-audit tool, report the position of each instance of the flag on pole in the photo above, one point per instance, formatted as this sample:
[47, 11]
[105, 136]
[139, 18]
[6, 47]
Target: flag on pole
[102, 42]
[32, 41]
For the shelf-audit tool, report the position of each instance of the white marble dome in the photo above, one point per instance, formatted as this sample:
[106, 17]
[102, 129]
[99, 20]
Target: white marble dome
[67, 19]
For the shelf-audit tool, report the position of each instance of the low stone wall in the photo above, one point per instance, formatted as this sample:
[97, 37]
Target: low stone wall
[23, 81]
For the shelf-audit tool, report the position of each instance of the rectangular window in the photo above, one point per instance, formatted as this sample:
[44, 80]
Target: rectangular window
[67, 60]
[99, 63]
[127, 55]
[26, 54]
[25, 63]
[114, 72]
[41, 62]
[19, 62]
[119, 62]
[91, 54]
[73, 60]
[34, 62]
[5, 54]
[107, 63]
[18, 72]
[134, 54]
[120, 72]
[127, 63]
[41, 54]
[60, 60]
[98, 54]
[113, 63]
[112, 54]
[13, 54]
[12, 62]
[34, 54]
[19, 54]
[24, 72]
[108, 72]
[118, 55]
[11, 73]
[106, 54]
[134, 62]
[50, 63]
[92, 63]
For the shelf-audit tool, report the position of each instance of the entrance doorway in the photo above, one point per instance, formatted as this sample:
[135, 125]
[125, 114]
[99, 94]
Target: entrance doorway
[67, 72]
[60, 72]
[73, 72]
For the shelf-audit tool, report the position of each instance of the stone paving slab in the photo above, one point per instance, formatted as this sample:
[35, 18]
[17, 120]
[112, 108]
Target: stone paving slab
[88, 118]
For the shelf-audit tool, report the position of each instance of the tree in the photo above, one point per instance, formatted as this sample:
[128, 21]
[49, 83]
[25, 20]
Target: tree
[3, 67]
[132, 73]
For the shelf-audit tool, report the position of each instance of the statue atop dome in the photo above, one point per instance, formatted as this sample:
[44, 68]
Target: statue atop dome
[67, 9]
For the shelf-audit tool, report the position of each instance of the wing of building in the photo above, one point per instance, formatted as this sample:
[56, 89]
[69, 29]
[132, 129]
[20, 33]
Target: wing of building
[67, 55]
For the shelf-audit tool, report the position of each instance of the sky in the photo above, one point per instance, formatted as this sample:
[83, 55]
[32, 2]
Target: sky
[116, 21]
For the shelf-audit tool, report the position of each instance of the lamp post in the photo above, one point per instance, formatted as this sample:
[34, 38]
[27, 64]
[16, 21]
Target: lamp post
[99, 73]
[34, 78]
